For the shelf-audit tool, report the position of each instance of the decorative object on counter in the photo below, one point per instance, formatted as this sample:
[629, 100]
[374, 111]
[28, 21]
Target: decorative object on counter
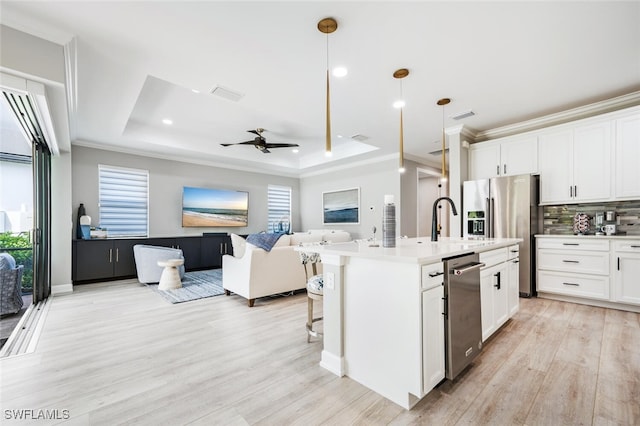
[81, 212]
[608, 229]
[611, 216]
[85, 227]
[389, 222]
[581, 223]
[98, 233]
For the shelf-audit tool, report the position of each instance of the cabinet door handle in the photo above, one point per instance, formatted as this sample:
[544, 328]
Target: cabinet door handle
[444, 305]
[110, 255]
[570, 191]
[505, 168]
[497, 285]
[435, 274]
[498, 169]
[573, 284]
[570, 244]
[618, 263]
[632, 246]
[571, 261]
[575, 190]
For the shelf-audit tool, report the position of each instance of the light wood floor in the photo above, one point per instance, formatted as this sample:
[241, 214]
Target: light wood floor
[117, 353]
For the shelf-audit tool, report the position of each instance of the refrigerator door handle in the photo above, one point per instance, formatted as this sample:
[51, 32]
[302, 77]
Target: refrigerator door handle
[488, 219]
[493, 218]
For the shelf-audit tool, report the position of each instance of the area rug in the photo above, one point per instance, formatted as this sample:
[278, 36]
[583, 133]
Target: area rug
[195, 285]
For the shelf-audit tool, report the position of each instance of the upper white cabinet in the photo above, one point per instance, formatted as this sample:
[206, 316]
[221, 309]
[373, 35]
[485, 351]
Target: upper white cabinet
[575, 164]
[504, 157]
[627, 157]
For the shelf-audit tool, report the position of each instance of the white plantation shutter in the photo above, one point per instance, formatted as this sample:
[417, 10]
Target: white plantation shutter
[279, 200]
[123, 201]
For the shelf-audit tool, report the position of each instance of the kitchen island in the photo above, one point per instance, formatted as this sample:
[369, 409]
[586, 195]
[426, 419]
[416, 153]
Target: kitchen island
[383, 316]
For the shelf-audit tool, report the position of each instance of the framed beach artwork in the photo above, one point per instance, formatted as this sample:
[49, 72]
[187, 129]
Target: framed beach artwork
[214, 207]
[341, 207]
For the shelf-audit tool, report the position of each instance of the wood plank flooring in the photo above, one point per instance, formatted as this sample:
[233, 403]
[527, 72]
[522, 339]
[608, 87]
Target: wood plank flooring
[117, 353]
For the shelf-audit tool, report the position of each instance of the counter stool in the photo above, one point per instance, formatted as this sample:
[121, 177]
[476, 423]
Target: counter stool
[170, 278]
[314, 289]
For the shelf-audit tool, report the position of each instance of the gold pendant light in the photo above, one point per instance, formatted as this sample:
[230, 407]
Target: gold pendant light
[442, 102]
[400, 74]
[327, 26]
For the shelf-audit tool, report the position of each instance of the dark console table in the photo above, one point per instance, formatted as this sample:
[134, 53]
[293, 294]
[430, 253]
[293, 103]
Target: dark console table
[112, 259]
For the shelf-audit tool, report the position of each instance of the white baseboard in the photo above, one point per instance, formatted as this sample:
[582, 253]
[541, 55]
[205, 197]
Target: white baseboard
[60, 289]
[333, 363]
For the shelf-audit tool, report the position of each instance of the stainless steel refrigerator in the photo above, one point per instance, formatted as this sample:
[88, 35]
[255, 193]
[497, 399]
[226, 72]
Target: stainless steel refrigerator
[505, 207]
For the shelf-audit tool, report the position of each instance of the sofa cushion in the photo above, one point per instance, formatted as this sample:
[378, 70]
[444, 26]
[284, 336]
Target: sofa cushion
[239, 245]
[305, 237]
[283, 241]
[7, 261]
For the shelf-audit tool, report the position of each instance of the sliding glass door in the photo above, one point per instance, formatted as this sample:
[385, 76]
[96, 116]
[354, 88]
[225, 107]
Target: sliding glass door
[41, 222]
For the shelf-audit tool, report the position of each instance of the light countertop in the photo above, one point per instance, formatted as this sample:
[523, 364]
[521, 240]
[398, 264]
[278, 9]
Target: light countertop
[595, 237]
[412, 250]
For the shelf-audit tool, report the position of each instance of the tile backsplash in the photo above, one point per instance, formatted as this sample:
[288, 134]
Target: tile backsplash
[559, 219]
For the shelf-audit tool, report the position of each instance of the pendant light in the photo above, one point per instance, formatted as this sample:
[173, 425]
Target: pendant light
[327, 26]
[442, 102]
[400, 74]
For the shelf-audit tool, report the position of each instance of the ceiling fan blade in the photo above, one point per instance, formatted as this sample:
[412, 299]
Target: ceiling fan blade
[251, 142]
[255, 132]
[281, 145]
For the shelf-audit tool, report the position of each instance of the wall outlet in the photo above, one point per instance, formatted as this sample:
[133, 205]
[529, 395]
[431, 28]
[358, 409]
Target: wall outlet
[330, 280]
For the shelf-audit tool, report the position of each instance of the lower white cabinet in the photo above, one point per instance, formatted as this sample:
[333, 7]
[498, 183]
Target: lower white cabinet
[513, 280]
[626, 258]
[574, 267]
[494, 285]
[432, 337]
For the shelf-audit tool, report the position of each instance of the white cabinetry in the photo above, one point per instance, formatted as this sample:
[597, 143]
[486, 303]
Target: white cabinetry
[573, 267]
[513, 279]
[494, 291]
[577, 164]
[432, 326]
[626, 256]
[504, 157]
[628, 157]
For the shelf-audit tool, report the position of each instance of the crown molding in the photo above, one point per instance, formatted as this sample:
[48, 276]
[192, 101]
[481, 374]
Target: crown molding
[590, 110]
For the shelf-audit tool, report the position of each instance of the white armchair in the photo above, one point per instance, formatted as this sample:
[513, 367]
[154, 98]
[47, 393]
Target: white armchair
[147, 258]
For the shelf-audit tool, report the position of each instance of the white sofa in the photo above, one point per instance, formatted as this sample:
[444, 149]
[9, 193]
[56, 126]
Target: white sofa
[253, 272]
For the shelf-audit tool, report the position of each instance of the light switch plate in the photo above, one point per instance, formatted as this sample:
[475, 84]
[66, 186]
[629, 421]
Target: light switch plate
[330, 280]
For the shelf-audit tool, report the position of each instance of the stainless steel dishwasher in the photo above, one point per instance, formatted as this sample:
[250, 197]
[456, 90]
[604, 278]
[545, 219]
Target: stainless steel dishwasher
[463, 319]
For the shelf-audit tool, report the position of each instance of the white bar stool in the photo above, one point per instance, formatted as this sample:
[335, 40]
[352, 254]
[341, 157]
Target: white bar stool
[315, 290]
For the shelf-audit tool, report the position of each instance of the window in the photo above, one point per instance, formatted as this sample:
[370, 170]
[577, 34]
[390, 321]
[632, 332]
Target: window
[279, 200]
[123, 201]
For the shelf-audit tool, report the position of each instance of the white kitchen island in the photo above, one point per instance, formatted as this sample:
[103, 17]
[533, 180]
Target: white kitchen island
[383, 322]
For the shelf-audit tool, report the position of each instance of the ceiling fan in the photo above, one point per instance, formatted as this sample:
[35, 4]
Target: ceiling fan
[261, 143]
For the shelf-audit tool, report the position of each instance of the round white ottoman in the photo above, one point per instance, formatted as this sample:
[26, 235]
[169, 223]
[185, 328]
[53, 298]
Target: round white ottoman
[170, 277]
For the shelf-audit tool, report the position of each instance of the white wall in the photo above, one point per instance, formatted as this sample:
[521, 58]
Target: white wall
[41, 60]
[374, 180]
[166, 180]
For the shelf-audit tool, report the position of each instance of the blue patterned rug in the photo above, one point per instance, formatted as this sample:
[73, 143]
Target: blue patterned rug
[195, 285]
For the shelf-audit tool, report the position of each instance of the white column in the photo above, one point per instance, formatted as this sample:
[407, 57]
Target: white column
[332, 312]
[458, 172]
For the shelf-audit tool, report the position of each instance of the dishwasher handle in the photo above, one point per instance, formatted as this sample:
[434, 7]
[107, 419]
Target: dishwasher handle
[467, 268]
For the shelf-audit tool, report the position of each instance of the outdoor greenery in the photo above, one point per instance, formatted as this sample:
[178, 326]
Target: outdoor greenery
[19, 246]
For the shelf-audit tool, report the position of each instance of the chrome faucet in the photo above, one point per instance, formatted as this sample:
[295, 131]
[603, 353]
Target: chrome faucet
[434, 216]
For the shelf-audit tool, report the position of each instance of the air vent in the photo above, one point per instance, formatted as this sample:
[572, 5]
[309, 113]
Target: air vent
[358, 137]
[229, 94]
[462, 115]
[439, 152]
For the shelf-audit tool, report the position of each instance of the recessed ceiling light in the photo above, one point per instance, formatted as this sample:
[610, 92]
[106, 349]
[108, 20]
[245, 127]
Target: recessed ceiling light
[167, 121]
[340, 71]
[398, 104]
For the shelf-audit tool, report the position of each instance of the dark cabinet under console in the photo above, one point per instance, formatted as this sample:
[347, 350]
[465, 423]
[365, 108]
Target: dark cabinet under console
[109, 259]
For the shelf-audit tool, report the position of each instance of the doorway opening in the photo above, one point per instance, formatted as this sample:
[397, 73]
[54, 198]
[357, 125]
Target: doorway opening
[430, 187]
